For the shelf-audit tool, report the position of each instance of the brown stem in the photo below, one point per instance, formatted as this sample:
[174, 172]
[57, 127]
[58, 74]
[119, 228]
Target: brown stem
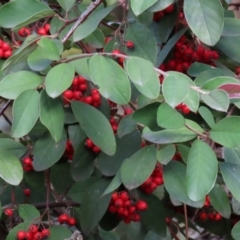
[56, 204]
[186, 219]
[82, 18]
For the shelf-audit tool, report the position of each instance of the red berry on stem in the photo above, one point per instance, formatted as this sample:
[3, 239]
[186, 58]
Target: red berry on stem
[141, 205]
[89, 143]
[27, 192]
[63, 218]
[118, 203]
[169, 9]
[68, 94]
[116, 51]
[114, 196]
[45, 232]
[8, 212]
[72, 221]
[47, 27]
[21, 235]
[5, 47]
[130, 45]
[42, 31]
[33, 229]
[185, 109]
[37, 236]
[7, 54]
[24, 32]
[124, 196]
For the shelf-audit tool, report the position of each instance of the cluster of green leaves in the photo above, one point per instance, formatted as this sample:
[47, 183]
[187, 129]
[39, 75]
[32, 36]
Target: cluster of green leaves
[37, 74]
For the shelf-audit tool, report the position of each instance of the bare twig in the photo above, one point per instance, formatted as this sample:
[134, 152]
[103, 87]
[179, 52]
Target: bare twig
[3, 109]
[82, 18]
[186, 219]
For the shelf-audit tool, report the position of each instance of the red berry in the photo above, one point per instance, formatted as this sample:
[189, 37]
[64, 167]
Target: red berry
[118, 203]
[94, 91]
[114, 128]
[114, 196]
[185, 109]
[88, 100]
[82, 87]
[141, 205]
[72, 221]
[89, 143]
[7, 54]
[81, 80]
[127, 220]
[77, 95]
[42, 31]
[136, 217]
[158, 15]
[120, 210]
[63, 218]
[33, 229]
[112, 209]
[169, 9]
[45, 233]
[116, 51]
[153, 186]
[75, 81]
[96, 97]
[68, 94]
[8, 212]
[237, 71]
[1, 53]
[128, 111]
[27, 192]
[24, 32]
[28, 236]
[47, 27]
[124, 196]
[21, 235]
[130, 45]
[158, 180]
[127, 203]
[5, 47]
[37, 236]
[96, 149]
[218, 217]
[132, 209]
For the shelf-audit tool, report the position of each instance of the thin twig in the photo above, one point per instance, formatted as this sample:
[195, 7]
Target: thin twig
[82, 18]
[186, 219]
[195, 131]
[3, 109]
[56, 204]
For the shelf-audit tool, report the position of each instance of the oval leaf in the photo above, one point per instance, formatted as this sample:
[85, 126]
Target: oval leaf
[28, 212]
[227, 132]
[202, 167]
[165, 153]
[99, 132]
[139, 6]
[13, 84]
[52, 115]
[11, 170]
[25, 113]
[209, 14]
[58, 79]
[112, 80]
[136, 169]
[236, 231]
[168, 117]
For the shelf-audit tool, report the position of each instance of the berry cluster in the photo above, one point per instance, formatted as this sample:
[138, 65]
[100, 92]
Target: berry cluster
[160, 14]
[64, 218]
[185, 54]
[125, 208]
[33, 233]
[69, 150]
[27, 164]
[89, 144]
[5, 50]
[44, 30]
[183, 108]
[155, 180]
[114, 124]
[78, 89]
[120, 60]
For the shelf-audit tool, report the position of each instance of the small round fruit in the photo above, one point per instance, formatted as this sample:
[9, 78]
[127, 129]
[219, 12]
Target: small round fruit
[68, 94]
[185, 110]
[114, 196]
[118, 203]
[116, 51]
[47, 27]
[21, 235]
[24, 32]
[37, 236]
[96, 149]
[8, 212]
[27, 192]
[7, 54]
[169, 9]
[124, 196]
[45, 233]
[63, 218]
[130, 45]
[33, 229]
[72, 221]
[42, 31]
[141, 205]
[89, 143]
[5, 46]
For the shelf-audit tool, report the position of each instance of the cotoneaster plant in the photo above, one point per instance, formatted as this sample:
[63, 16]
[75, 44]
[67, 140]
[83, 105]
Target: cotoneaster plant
[119, 120]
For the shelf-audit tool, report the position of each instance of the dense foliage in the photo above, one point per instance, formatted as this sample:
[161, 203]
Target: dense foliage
[125, 120]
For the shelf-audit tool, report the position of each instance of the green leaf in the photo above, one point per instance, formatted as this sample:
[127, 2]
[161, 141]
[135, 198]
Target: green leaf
[49, 48]
[220, 201]
[82, 165]
[10, 168]
[145, 45]
[236, 231]
[24, 12]
[96, 39]
[101, 133]
[197, 68]
[28, 212]
[16, 148]
[168, 117]
[232, 52]
[139, 7]
[175, 88]
[109, 165]
[21, 226]
[25, 113]
[165, 153]
[202, 167]
[226, 132]
[169, 135]
[115, 183]
[126, 125]
[231, 27]
[93, 204]
[14, 84]
[209, 25]
[231, 176]
[231, 154]
[37, 60]
[216, 82]
[66, 4]
[47, 152]
[52, 115]
[59, 232]
[112, 80]
[206, 114]
[136, 169]
[108, 235]
[160, 5]
[76, 135]
[174, 181]
[139, 70]
[91, 23]
[217, 99]
[58, 79]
